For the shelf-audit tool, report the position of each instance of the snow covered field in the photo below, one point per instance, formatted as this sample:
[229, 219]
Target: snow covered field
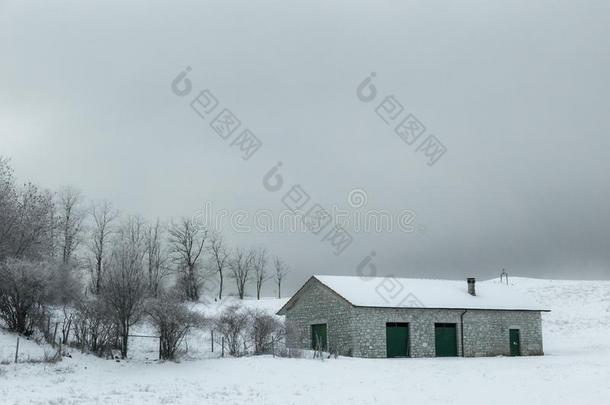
[575, 369]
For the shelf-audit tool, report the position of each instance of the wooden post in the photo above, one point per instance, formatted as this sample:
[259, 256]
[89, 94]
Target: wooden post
[223, 346]
[212, 332]
[55, 333]
[160, 347]
[17, 350]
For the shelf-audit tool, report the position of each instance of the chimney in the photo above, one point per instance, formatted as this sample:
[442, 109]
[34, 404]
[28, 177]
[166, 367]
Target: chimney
[471, 281]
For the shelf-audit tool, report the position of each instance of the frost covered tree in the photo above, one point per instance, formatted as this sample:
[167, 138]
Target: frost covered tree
[157, 258]
[172, 321]
[232, 323]
[125, 287]
[220, 259]
[187, 240]
[27, 222]
[70, 222]
[266, 330]
[259, 263]
[24, 293]
[241, 264]
[281, 270]
[70, 216]
[104, 216]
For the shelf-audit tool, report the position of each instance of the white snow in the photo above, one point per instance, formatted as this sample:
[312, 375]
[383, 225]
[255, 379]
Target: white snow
[575, 369]
[427, 293]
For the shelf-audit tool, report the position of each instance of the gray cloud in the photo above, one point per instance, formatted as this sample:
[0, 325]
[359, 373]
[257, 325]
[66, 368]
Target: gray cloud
[518, 93]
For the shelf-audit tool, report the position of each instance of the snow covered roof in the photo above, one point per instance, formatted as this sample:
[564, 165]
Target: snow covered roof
[426, 293]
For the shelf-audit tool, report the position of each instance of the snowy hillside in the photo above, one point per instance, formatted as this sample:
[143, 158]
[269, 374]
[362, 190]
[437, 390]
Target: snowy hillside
[574, 370]
[580, 312]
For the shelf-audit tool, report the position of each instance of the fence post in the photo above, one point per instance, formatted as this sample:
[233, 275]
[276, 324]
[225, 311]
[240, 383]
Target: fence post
[223, 346]
[160, 347]
[55, 333]
[17, 351]
[212, 332]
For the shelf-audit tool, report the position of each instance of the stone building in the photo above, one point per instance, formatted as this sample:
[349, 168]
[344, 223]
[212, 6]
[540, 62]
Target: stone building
[391, 317]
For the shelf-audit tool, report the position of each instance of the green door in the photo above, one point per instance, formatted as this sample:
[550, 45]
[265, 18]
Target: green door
[515, 342]
[445, 339]
[397, 339]
[318, 336]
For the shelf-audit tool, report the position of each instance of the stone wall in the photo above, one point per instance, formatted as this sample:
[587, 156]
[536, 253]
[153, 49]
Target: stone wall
[485, 331]
[370, 329]
[317, 304]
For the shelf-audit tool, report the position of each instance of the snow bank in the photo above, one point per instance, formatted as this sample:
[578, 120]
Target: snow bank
[574, 370]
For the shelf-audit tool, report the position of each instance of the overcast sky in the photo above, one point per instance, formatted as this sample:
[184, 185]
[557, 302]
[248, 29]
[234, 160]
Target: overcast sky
[518, 93]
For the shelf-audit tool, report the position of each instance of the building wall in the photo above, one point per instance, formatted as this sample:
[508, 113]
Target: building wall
[316, 304]
[485, 331]
[370, 329]
[361, 331]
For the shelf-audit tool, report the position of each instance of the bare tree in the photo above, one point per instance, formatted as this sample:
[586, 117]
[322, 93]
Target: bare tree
[188, 240]
[70, 222]
[124, 290]
[259, 263]
[281, 270]
[158, 268]
[220, 258]
[240, 265]
[103, 216]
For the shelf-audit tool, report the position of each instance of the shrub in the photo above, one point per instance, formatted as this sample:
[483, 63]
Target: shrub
[47, 358]
[232, 323]
[172, 321]
[23, 294]
[94, 328]
[291, 353]
[266, 331]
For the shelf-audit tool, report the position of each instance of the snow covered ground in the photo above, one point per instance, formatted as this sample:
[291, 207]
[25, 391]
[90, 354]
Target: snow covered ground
[575, 369]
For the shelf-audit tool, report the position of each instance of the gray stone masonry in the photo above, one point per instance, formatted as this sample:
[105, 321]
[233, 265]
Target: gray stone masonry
[361, 331]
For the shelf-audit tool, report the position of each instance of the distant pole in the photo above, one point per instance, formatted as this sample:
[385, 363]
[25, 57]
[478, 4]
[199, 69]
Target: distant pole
[212, 333]
[504, 274]
[17, 350]
[223, 346]
[160, 347]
